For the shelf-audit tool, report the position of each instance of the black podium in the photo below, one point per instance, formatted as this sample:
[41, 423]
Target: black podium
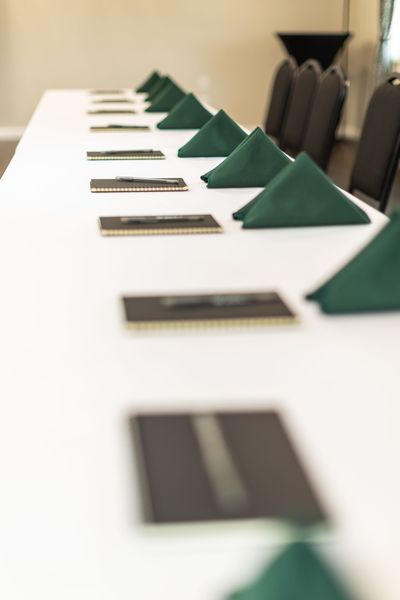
[321, 46]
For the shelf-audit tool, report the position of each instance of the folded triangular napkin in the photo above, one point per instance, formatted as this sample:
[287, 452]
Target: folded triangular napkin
[167, 98]
[301, 195]
[189, 113]
[149, 82]
[218, 137]
[162, 83]
[370, 282]
[298, 573]
[252, 164]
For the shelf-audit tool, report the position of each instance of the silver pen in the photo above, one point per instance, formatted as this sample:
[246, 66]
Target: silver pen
[147, 180]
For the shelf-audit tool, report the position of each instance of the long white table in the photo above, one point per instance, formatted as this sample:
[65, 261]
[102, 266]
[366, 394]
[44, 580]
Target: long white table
[71, 375]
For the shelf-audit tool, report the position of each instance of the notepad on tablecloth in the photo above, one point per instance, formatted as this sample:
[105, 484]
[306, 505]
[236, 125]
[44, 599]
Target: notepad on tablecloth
[126, 155]
[221, 465]
[106, 92]
[158, 225]
[168, 184]
[113, 101]
[117, 128]
[207, 310]
[112, 111]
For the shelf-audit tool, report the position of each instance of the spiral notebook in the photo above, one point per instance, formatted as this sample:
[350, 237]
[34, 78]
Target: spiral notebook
[106, 92]
[112, 111]
[126, 155]
[138, 185]
[207, 310]
[158, 225]
[115, 128]
[196, 467]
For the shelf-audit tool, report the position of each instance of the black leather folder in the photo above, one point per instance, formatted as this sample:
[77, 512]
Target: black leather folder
[233, 465]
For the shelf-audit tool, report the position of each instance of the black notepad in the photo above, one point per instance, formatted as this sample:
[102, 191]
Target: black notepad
[115, 128]
[203, 310]
[158, 225]
[233, 465]
[107, 92]
[111, 111]
[115, 185]
[126, 155]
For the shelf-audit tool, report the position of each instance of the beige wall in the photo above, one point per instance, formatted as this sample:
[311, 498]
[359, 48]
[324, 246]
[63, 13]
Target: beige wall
[364, 22]
[224, 49]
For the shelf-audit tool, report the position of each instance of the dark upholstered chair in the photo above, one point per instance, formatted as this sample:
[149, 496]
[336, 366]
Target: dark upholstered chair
[378, 150]
[281, 88]
[301, 99]
[325, 116]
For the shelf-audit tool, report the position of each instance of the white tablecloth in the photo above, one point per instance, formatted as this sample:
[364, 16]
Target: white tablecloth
[71, 375]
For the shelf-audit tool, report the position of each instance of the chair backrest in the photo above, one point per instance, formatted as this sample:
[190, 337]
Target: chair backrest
[279, 97]
[379, 146]
[325, 116]
[301, 99]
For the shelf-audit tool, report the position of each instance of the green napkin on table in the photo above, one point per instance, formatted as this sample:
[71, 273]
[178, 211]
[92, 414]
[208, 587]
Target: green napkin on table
[252, 164]
[218, 137]
[162, 83]
[298, 573]
[189, 113]
[149, 82]
[370, 282]
[301, 195]
[167, 98]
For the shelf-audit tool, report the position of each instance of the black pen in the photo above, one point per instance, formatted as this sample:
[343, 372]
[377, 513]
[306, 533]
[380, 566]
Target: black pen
[160, 219]
[217, 301]
[113, 100]
[116, 152]
[146, 180]
[112, 126]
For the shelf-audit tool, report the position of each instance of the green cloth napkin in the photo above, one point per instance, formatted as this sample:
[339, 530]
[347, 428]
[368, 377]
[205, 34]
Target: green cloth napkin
[189, 113]
[298, 573]
[301, 195]
[370, 282]
[218, 137]
[167, 98]
[252, 164]
[162, 83]
[149, 82]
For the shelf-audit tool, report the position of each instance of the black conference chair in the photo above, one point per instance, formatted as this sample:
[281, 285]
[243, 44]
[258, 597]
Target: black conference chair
[301, 99]
[279, 97]
[325, 116]
[378, 150]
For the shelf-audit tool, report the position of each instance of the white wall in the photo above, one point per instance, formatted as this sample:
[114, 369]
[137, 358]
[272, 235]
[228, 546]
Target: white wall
[224, 48]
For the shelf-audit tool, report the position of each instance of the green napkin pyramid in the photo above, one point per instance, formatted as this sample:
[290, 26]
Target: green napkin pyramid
[162, 83]
[167, 98]
[301, 195]
[189, 113]
[218, 137]
[298, 573]
[252, 164]
[370, 281]
[149, 82]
